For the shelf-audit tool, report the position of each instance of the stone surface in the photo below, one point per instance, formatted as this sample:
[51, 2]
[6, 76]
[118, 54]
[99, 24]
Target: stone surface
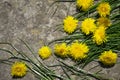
[34, 21]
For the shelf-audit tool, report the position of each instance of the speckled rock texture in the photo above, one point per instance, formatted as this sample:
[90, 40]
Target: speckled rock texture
[35, 21]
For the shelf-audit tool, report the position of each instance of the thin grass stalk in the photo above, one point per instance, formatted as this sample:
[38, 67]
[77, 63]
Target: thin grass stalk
[34, 54]
[82, 71]
[66, 73]
[38, 75]
[12, 47]
[11, 53]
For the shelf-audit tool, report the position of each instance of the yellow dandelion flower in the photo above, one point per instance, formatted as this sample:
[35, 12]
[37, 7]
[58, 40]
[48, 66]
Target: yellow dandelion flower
[84, 4]
[99, 35]
[70, 24]
[103, 21]
[44, 52]
[104, 9]
[61, 50]
[78, 50]
[108, 57]
[88, 26]
[18, 69]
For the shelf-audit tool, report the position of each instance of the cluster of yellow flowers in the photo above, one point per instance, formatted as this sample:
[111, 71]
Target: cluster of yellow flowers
[78, 50]
[88, 25]
[103, 22]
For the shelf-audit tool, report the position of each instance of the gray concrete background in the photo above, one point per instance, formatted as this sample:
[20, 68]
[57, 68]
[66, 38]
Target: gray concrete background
[34, 22]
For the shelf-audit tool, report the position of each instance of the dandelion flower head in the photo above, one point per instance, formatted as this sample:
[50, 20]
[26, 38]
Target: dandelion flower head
[84, 4]
[104, 9]
[61, 50]
[18, 69]
[88, 26]
[78, 50]
[44, 52]
[108, 57]
[99, 35]
[70, 24]
[103, 21]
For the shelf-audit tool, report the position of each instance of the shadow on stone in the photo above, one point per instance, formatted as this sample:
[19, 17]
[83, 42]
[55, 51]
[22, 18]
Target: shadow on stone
[105, 66]
[17, 77]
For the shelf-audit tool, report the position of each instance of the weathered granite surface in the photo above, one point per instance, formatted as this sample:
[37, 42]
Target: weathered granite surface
[34, 21]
